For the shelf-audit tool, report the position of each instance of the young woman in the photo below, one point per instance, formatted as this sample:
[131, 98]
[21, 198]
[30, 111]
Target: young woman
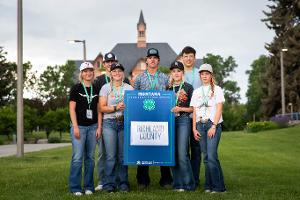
[207, 118]
[84, 130]
[112, 107]
[182, 172]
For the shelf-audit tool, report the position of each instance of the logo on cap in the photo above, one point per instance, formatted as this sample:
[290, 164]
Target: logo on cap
[109, 55]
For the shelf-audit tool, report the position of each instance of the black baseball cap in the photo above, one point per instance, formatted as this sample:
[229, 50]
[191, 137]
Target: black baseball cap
[116, 66]
[152, 52]
[110, 57]
[177, 65]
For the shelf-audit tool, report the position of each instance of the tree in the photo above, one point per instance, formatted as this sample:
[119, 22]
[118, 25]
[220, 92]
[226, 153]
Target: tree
[55, 83]
[284, 19]
[254, 93]
[8, 121]
[222, 69]
[8, 78]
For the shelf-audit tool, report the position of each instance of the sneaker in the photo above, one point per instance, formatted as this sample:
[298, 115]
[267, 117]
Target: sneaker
[179, 190]
[88, 192]
[99, 188]
[207, 191]
[124, 188]
[216, 192]
[77, 193]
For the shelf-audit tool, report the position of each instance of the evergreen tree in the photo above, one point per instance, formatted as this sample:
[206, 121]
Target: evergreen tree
[254, 92]
[284, 19]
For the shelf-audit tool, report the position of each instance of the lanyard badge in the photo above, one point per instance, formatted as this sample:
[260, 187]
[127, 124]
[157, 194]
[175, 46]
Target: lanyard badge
[89, 112]
[152, 82]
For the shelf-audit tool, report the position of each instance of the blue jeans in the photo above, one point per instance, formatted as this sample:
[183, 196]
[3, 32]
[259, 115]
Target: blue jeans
[83, 149]
[213, 172]
[195, 158]
[101, 162]
[182, 172]
[113, 137]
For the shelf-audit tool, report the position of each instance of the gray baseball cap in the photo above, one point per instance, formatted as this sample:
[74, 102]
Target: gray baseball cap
[205, 67]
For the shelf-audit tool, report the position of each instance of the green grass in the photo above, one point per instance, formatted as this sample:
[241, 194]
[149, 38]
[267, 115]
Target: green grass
[264, 165]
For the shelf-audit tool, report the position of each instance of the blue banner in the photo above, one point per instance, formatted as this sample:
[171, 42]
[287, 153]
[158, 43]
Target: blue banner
[149, 128]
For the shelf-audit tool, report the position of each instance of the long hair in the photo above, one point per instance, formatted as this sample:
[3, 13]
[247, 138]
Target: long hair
[212, 84]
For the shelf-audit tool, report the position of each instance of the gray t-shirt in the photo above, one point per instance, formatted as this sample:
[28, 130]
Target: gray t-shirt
[107, 91]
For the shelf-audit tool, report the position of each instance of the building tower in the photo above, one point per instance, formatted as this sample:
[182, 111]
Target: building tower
[141, 30]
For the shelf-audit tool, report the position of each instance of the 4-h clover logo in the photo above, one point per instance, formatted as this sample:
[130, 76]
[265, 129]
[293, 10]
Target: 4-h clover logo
[149, 104]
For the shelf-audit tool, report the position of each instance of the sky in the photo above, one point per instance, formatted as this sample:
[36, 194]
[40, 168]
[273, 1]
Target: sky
[221, 27]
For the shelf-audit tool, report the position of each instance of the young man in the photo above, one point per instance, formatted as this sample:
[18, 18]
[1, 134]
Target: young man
[109, 59]
[152, 79]
[191, 76]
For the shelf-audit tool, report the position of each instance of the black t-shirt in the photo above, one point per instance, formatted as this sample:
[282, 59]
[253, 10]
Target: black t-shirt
[101, 80]
[185, 95]
[78, 95]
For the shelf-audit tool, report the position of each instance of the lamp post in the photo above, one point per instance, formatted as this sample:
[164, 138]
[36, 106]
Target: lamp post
[291, 104]
[20, 115]
[84, 46]
[282, 81]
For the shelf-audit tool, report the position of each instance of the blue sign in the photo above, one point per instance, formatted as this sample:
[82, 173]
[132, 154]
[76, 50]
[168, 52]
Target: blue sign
[149, 128]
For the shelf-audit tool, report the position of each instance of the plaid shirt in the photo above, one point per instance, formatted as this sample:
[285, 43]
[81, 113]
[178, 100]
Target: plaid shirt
[142, 81]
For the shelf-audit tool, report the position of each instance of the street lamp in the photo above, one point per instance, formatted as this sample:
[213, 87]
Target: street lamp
[282, 81]
[290, 104]
[84, 47]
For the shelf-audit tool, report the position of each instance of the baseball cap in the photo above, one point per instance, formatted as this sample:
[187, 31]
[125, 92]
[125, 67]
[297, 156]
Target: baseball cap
[205, 67]
[86, 65]
[116, 66]
[152, 52]
[110, 57]
[177, 65]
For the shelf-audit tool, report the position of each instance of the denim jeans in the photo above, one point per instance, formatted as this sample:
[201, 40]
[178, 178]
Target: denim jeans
[101, 161]
[113, 137]
[83, 150]
[195, 158]
[213, 172]
[182, 172]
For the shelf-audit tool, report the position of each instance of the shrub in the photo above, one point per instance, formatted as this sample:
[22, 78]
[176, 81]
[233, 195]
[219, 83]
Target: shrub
[54, 140]
[254, 127]
[1, 141]
[282, 121]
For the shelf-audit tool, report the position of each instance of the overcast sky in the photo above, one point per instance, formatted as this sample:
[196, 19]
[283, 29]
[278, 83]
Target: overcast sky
[224, 27]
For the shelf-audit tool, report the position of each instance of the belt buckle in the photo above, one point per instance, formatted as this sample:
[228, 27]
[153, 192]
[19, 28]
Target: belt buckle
[203, 121]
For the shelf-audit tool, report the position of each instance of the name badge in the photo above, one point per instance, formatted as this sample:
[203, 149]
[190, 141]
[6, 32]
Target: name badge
[89, 114]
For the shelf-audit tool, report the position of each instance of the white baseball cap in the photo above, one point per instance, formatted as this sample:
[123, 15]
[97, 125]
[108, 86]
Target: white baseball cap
[86, 65]
[205, 67]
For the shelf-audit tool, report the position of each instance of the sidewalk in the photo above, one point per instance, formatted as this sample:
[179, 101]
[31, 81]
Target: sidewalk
[10, 150]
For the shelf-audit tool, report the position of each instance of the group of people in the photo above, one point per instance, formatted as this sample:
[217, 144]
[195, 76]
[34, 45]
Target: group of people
[96, 111]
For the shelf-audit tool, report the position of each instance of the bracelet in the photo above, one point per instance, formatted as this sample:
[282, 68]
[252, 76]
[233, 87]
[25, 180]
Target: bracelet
[214, 126]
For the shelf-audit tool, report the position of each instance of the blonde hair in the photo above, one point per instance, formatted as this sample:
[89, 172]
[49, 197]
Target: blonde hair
[171, 80]
[81, 79]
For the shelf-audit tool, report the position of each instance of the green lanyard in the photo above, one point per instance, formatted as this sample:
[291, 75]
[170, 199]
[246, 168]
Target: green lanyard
[118, 96]
[193, 77]
[152, 82]
[181, 84]
[106, 79]
[88, 97]
[205, 97]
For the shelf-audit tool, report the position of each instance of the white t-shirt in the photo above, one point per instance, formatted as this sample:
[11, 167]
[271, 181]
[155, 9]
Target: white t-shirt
[205, 103]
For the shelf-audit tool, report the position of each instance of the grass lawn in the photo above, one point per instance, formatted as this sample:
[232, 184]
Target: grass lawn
[264, 165]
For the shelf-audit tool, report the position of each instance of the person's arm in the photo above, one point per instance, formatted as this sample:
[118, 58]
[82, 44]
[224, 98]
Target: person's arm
[182, 109]
[212, 131]
[72, 106]
[137, 83]
[100, 117]
[197, 134]
[104, 108]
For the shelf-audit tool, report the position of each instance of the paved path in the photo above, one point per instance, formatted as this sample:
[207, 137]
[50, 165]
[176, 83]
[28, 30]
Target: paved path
[10, 150]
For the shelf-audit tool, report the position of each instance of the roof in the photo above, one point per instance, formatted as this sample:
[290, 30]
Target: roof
[141, 19]
[128, 54]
